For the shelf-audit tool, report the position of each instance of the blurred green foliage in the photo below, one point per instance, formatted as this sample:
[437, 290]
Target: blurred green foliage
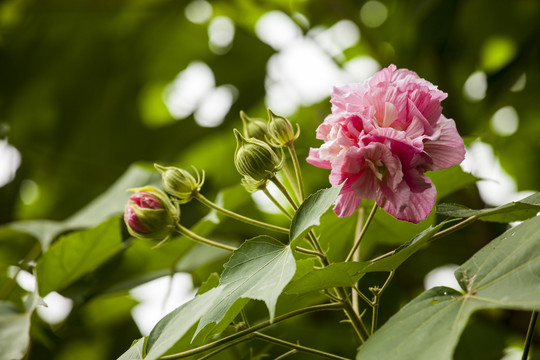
[81, 98]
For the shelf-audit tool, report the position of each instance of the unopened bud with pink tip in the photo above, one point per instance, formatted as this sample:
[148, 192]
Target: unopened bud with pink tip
[150, 214]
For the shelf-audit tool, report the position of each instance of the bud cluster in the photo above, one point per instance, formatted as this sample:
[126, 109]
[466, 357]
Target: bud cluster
[258, 156]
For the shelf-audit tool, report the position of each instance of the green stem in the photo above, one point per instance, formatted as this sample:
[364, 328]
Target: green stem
[185, 231]
[292, 181]
[225, 347]
[309, 252]
[362, 233]
[376, 300]
[441, 233]
[297, 170]
[251, 330]
[453, 228]
[287, 354]
[356, 322]
[298, 347]
[278, 205]
[530, 333]
[285, 192]
[239, 217]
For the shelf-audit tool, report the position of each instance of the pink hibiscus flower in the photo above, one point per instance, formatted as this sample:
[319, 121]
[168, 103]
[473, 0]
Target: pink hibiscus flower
[381, 137]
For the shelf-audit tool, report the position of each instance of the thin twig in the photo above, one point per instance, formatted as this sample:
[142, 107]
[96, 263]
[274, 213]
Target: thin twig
[242, 334]
[362, 233]
[185, 231]
[530, 333]
[277, 203]
[285, 192]
[239, 217]
[298, 347]
[297, 170]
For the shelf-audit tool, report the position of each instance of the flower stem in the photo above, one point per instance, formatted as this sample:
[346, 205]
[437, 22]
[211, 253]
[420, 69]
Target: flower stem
[441, 233]
[239, 217]
[285, 192]
[278, 205]
[297, 170]
[185, 231]
[530, 333]
[309, 252]
[249, 332]
[298, 347]
[362, 233]
[376, 299]
[287, 354]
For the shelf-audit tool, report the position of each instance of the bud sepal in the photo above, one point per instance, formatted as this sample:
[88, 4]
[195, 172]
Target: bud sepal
[280, 130]
[179, 183]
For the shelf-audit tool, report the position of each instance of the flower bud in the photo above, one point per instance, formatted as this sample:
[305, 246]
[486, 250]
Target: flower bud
[180, 183]
[254, 127]
[150, 214]
[255, 159]
[281, 130]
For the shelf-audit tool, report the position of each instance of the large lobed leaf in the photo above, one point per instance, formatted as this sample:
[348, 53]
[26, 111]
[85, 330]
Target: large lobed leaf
[515, 211]
[259, 269]
[504, 274]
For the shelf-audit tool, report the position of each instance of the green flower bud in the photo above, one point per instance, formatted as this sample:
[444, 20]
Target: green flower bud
[150, 214]
[281, 130]
[180, 183]
[255, 159]
[254, 127]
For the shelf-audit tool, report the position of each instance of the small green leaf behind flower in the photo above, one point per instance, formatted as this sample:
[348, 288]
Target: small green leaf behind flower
[310, 211]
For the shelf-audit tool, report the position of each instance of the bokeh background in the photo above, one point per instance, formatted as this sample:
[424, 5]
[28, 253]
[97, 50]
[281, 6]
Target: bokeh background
[88, 88]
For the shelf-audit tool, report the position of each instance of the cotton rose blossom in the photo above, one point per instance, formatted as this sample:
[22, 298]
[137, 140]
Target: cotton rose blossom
[380, 138]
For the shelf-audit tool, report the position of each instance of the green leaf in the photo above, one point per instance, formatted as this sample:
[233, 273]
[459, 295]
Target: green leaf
[348, 273]
[310, 212]
[504, 274]
[14, 332]
[426, 328]
[174, 325]
[515, 211]
[259, 269]
[136, 351]
[110, 203]
[76, 254]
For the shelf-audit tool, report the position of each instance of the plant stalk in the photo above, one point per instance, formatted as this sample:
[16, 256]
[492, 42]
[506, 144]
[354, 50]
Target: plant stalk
[297, 170]
[185, 231]
[285, 192]
[251, 330]
[362, 233]
[298, 347]
[529, 337]
[239, 217]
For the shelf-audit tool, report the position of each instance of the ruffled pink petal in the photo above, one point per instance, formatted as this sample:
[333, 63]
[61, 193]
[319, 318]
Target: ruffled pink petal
[447, 149]
[314, 159]
[346, 203]
[420, 205]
